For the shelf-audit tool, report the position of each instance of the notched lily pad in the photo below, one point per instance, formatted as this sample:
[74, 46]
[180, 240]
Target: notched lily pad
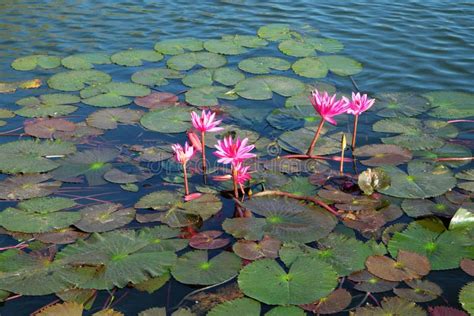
[110, 118]
[263, 65]
[104, 217]
[113, 94]
[178, 45]
[75, 80]
[383, 155]
[23, 187]
[392, 306]
[167, 120]
[263, 87]
[133, 58]
[187, 61]
[36, 61]
[155, 76]
[85, 61]
[55, 104]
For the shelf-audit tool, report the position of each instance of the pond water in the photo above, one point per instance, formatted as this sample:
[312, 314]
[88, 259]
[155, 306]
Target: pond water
[405, 48]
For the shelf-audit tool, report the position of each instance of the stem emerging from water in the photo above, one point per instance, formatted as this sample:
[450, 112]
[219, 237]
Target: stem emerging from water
[354, 133]
[204, 162]
[234, 180]
[186, 188]
[315, 139]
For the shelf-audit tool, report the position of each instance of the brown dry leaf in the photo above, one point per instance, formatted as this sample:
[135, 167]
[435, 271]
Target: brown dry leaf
[409, 265]
[335, 302]
[68, 308]
[467, 265]
[46, 128]
[156, 100]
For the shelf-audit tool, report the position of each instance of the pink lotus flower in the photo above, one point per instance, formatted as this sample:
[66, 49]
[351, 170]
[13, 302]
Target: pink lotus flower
[327, 106]
[242, 174]
[194, 140]
[230, 152]
[205, 122]
[359, 103]
[183, 155]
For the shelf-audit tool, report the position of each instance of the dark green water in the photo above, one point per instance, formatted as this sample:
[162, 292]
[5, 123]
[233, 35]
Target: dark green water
[404, 46]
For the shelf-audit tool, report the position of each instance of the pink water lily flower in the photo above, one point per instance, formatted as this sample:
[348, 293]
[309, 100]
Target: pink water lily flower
[230, 152]
[242, 172]
[359, 103]
[206, 122]
[327, 106]
[183, 155]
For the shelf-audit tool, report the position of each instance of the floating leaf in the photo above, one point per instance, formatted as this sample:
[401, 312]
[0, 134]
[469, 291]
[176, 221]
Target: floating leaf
[409, 265]
[285, 311]
[341, 65]
[61, 236]
[467, 265]
[85, 61]
[298, 142]
[310, 67]
[167, 120]
[155, 76]
[383, 155]
[423, 180]
[46, 128]
[372, 180]
[296, 48]
[326, 45]
[195, 267]
[263, 65]
[110, 118]
[28, 156]
[137, 174]
[179, 45]
[464, 217]
[308, 279]
[225, 47]
[36, 61]
[205, 77]
[396, 104]
[113, 94]
[249, 228]
[75, 80]
[81, 135]
[151, 154]
[27, 186]
[246, 40]
[163, 238]
[55, 104]
[263, 87]
[274, 32]
[419, 291]
[133, 58]
[450, 104]
[240, 306]
[67, 308]
[445, 311]
[250, 250]
[153, 284]
[187, 61]
[208, 240]
[466, 297]
[10, 87]
[391, 306]
[208, 95]
[423, 207]
[336, 302]
[367, 282]
[104, 217]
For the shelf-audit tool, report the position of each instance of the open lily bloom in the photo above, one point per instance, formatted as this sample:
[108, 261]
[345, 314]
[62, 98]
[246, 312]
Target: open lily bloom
[359, 103]
[327, 106]
[229, 151]
[183, 155]
[206, 122]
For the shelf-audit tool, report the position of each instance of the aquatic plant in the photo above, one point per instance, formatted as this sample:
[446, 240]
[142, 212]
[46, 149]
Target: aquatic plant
[358, 105]
[183, 155]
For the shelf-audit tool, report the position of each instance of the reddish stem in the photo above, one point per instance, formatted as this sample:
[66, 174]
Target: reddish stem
[234, 181]
[454, 159]
[315, 139]
[314, 157]
[298, 197]
[354, 133]
[203, 142]
[186, 187]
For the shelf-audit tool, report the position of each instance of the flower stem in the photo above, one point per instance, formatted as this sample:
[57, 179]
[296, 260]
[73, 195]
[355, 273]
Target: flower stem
[234, 180]
[204, 162]
[354, 133]
[315, 139]
[186, 188]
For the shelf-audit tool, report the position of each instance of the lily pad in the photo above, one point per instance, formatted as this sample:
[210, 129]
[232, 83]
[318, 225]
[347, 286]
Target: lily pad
[110, 118]
[157, 99]
[155, 76]
[263, 65]
[136, 174]
[55, 104]
[85, 61]
[224, 47]
[104, 217]
[208, 95]
[27, 186]
[383, 155]
[187, 61]
[298, 142]
[409, 265]
[423, 180]
[44, 205]
[196, 267]
[263, 87]
[296, 48]
[397, 104]
[28, 156]
[208, 240]
[326, 45]
[66, 308]
[419, 291]
[274, 32]
[240, 306]
[451, 104]
[367, 282]
[151, 154]
[134, 58]
[307, 280]
[267, 248]
[75, 80]
[205, 77]
[46, 128]
[36, 61]
[248, 41]
[310, 67]
[424, 207]
[286, 311]
[342, 65]
[335, 302]
[466, 297]
[179, 45]
[113, 94]
[463, 218]
[392, 306]
[163, 238]
[167, 120]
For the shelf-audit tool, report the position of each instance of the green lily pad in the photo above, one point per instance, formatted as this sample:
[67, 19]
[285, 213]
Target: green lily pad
[155, 76]
[274, 32]
[424, 207]
[310, 67]
[163, 238]
[419, 291]
[55, 104]
[248, 228]
[451, 104]
[44, 205]
[135, 174]
[36, 61]
[263, 65]
[75, 80]
[286, 311]
[448, 150]
[299, 140]
[167, 120]
[121, 258]
[289, 119]
[179, 45]
[85, 61]
[302, 100]
[90, 163]
[383, 155]
[296, 48]
[466, 297]
[113, 94]
[444, 250]
[241, 306]
[224, 47]
[342, 65]
[262, 87]
[423, 180]
[110, 118]
[153, 284]
[187, 61]
[325, 45]
[246, 40]
[104, 217]
[28, 156]
[463, 218]
[133, 58]
[367, 282]
[289, 220]
[392, 306]
[196, 267]
[205, 77]
[27, 186]
[396, 104]
[299, 186]
[208, 95]
[307, 280]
